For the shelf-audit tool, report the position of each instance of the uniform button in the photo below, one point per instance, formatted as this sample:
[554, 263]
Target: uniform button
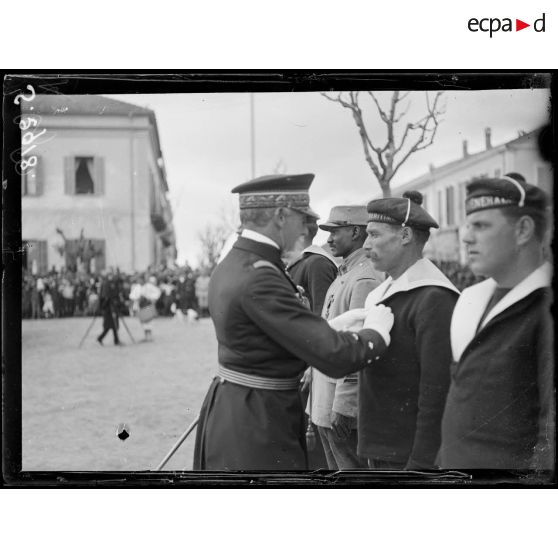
[377, 358]
[371, 346]
[369, 361]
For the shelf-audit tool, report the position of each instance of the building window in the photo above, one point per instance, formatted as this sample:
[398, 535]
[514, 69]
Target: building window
[450, 205]
[84, 175]
[31, 185]
[84, 254]
[35, 256]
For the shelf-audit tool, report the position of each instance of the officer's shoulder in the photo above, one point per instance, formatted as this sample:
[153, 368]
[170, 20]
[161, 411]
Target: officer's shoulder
[265, 264]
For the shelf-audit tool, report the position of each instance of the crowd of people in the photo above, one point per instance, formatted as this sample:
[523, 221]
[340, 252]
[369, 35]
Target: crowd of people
[64, 293]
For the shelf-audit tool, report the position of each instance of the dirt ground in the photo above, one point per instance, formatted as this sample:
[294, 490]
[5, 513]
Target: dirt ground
[74, 399]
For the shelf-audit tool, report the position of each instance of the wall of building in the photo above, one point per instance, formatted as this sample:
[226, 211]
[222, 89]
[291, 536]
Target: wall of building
[121, 214]
[521, 156]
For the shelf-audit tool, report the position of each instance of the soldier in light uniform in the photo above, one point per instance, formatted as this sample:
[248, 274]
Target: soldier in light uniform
[500, 412]
[252, 416]
[332, 405]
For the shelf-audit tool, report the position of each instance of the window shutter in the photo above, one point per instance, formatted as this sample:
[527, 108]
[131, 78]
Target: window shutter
[69, 176]
[99, 176]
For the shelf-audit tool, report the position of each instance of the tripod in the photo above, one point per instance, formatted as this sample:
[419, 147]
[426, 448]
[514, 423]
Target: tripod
[118, 316]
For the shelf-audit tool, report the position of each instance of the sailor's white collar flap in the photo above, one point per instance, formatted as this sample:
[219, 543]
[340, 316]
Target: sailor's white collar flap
[422, 273]
[473, 301]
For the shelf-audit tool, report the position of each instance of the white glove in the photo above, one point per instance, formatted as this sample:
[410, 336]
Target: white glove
[380, 319]
[349, 320]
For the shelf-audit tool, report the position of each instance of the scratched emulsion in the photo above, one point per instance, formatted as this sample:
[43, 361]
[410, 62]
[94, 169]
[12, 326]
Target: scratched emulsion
[74, 399]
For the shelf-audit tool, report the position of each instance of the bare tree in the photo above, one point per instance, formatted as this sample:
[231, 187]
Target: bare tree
[385, 160]
[211, 238]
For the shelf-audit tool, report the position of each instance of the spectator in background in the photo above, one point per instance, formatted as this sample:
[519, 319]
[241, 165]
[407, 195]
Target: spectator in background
[36, 302]
[202, 290]
[185, 294]
[146, 294]
[48, 305]
[332, 404]
[67, 289]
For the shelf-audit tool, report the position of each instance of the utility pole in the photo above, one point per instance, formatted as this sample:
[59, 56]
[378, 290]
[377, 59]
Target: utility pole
[252, 136]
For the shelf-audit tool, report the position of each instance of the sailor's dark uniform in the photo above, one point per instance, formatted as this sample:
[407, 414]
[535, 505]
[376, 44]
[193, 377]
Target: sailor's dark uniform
[500, 408]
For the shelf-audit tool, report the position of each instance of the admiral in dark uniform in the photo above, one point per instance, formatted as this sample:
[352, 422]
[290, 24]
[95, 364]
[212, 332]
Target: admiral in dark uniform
[252, 417]
[500, 412]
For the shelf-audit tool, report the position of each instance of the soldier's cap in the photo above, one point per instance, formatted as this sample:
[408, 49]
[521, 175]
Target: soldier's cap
[507, 191]
[345, 216]
[277, 190]
[405, 211]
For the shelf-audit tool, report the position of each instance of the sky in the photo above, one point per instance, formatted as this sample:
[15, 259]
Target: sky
[206, 145]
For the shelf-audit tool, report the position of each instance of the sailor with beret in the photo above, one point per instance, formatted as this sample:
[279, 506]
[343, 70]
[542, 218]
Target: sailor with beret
[332, 404]
[500, 411]
[401, 403]
[252, 417]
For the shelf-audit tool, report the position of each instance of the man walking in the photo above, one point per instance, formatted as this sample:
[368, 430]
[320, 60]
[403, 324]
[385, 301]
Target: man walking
[332, 404]
[109, 302]
[252, 417]
[500, 412]
[402, 400]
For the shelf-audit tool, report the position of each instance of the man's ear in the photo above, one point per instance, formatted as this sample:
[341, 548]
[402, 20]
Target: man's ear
[280, 216]
[524, 230]
[406, 235]
[356, 232]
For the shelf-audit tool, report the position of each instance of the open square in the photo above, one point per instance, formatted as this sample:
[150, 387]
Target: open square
[74, 399]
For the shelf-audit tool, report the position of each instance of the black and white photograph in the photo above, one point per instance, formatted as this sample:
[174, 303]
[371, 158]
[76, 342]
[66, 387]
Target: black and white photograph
[319, 277]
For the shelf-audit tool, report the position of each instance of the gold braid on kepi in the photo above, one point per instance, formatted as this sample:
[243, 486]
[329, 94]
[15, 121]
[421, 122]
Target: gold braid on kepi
[277, 190]
[405, 211]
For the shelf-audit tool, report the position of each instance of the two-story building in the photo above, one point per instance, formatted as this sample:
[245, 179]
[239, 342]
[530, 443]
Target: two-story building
[443, 188]
[97, 196]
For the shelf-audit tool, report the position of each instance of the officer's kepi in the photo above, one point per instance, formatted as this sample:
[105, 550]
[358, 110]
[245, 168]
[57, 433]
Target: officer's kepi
[405, 211]
[497, 193]
[277, 190]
